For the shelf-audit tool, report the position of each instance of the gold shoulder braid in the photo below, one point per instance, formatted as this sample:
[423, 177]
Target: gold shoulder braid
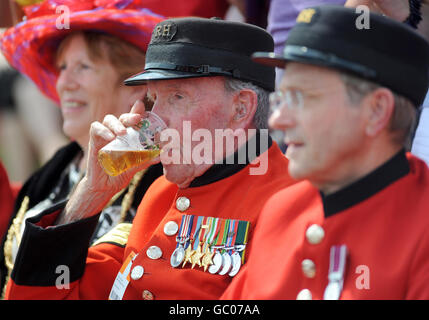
[126, 204]
[118, 235]
[14, 231]
[129, 197]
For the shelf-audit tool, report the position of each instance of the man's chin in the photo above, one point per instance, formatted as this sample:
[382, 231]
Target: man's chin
[297, 172]
[175, 175]
[181, 183]
[184, 174]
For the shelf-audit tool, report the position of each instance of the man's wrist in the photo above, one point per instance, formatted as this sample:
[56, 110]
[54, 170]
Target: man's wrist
[84, 203]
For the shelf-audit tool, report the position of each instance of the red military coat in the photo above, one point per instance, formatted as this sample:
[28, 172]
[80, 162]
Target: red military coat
[236, 196]
[383, 219]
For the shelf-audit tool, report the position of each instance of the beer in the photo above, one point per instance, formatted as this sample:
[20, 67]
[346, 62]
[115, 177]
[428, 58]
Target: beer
[140, 144]
[115, 162]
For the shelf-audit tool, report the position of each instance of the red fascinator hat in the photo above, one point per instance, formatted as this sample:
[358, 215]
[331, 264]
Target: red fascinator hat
[31, 45]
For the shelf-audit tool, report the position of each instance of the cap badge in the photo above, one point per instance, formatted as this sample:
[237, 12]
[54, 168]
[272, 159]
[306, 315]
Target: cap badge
[164, 32]
[306, 15]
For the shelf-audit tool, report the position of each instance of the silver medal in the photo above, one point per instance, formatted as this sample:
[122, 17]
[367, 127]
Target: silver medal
[217, 263]
[177, 256]
[226, 266]
[236, 264]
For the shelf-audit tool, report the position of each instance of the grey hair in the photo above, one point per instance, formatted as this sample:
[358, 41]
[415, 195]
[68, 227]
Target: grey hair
[403, 120]
[260, 119]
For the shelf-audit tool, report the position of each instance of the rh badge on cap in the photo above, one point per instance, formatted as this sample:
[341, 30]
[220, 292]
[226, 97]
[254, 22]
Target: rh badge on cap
[164, 32]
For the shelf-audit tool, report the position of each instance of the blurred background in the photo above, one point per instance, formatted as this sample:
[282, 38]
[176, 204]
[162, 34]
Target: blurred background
[30, 124]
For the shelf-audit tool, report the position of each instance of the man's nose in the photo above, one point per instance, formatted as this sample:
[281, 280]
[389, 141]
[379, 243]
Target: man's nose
[66, 80]
[282, 118]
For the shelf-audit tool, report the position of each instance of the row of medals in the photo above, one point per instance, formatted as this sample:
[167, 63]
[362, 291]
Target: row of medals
[211, 258]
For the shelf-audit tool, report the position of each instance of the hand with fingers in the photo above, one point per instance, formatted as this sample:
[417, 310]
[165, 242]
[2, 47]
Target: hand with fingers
[97, 187]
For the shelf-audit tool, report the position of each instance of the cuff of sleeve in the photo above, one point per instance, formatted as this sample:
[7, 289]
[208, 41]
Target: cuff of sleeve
[43, 251]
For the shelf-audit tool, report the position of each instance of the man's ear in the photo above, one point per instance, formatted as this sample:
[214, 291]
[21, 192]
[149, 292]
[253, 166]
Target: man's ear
[245, 104]
[379, 106]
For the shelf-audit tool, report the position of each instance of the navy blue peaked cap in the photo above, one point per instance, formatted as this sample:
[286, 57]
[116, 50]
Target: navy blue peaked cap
[199, 47]
[389, 53]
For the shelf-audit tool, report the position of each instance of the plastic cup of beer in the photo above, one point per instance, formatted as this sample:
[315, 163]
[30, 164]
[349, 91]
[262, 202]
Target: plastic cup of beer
[139, 145]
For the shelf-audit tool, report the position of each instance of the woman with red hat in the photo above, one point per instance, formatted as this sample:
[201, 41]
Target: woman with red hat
[78, 53]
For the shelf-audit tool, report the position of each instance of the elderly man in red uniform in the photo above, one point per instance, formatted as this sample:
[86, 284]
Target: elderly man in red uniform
[358, 227]
[189, 236]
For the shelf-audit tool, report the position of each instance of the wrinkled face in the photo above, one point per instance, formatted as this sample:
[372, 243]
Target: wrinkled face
[326, 133]
[89, 90]
[187, 105]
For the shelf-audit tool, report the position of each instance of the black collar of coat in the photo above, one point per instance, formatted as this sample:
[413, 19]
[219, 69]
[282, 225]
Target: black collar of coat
[234, 164]
[391, 171]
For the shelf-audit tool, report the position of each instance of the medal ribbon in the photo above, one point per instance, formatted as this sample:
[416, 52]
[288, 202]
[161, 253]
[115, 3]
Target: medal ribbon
[214, 231]
[209, 234]
[198, 232]
[205, 225]
[234, 236]
[221, 234]
[182, 223]
[209, 222]
[185, 228]
[337, 266]
[225, 234]
[188, 227]
[206, 233]
[194, 229]
[231, 233]
[242, 233]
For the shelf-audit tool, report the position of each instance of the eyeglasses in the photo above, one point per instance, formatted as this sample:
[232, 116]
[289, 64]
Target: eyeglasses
[292, 99]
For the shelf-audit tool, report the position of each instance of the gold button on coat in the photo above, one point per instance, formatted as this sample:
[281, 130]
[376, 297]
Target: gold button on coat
[308, 268]
[182, 203]
[315, 234]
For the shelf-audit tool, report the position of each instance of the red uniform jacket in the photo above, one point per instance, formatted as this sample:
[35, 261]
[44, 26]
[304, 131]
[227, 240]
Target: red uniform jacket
[236, 195]
[383, 219]
[6, 201]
